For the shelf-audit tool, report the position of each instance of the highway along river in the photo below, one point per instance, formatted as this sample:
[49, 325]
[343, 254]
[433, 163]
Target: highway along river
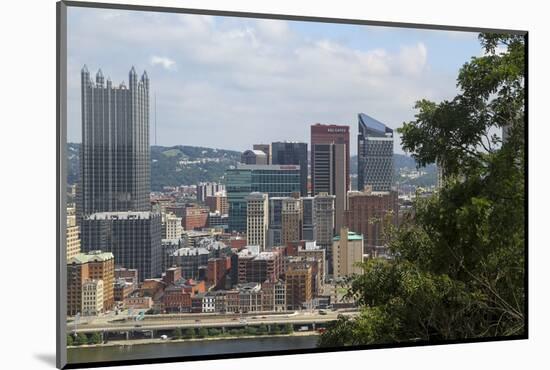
[189, 348]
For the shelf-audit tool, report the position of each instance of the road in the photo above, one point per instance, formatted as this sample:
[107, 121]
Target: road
[158, 322]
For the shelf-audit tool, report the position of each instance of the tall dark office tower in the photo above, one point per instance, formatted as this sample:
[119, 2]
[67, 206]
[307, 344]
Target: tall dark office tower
[274, 233]
[115, 170]
[134, 238]
[308, 218]
[375, 154]
[292, 153]
[330, 177]
[329, 134]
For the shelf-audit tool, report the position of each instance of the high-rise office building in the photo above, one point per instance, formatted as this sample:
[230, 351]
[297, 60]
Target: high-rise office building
[95, 265]
[217, 203]
[291, 220]
[92, 297]
[292, 153]
[299, 283]
[324, 225]
[73, 238]
[347, 252]
[254, 157]
[368, 213]
[324, 219]
[134, 238]
[208, 189]
[329, 134]
[77, 274]
[374, 154]
[308, 218]
[274, 180]
[329, 176]
[257, 219]
[266, 148]
[274, 232]
[172, 226]
[115, 165]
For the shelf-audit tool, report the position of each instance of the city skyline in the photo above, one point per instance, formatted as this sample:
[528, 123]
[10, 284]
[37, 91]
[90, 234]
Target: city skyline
[223, 77]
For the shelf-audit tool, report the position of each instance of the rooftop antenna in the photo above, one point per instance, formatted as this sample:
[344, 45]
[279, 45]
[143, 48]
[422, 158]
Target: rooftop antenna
[155, 119]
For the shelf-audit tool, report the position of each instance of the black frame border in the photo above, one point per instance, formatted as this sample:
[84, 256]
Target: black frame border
[61, 175]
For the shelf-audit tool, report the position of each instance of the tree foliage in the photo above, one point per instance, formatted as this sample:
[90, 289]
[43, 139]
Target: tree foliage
[458, 266]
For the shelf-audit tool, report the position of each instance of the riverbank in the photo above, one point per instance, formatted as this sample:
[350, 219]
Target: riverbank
[157, 348]
[143, 341]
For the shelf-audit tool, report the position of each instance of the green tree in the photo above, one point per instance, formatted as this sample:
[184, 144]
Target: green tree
[213, 332]
[70, 340]
[203, 333]
[287, 329]
[262, 329]
[458, 266]
[177, 333]
[95, 338]
[189, 333]
[81, 339]
[250, 330]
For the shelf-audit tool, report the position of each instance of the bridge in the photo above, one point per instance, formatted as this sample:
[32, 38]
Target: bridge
[156, 325]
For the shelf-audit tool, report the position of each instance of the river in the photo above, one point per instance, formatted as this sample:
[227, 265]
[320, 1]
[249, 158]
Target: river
[191, 348]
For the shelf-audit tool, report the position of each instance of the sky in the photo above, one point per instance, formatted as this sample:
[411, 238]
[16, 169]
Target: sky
[229, 82]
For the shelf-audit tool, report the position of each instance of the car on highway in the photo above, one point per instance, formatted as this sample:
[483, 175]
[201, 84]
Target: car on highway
[197, 320]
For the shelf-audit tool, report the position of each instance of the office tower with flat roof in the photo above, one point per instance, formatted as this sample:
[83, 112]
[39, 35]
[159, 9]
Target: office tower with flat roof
[368, 213]
[73, 237]
[208, 189]
[274, 232]
[92, 297]
[274, 180]
[257, 216]
[374, 154]
[254, 157]
[115, 164]
[329, 176]
[134, 238]
[347, 252]
[95, 265]
[324, 219]
[299, 283]
[172, 226]
[324, 225]
[217, 202]
[291, 220]
[329, 134]
[308, 218]
[287, 152]
[266, 148]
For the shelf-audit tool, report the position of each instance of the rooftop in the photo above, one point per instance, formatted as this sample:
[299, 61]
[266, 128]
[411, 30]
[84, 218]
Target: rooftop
[373, 125]
[351, 236]
[120, 215]
[267, 167]
[93, 256]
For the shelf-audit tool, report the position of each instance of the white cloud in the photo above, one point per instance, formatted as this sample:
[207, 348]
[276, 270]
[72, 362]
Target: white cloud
[164, 62]
[240, 81]
[413, 59]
